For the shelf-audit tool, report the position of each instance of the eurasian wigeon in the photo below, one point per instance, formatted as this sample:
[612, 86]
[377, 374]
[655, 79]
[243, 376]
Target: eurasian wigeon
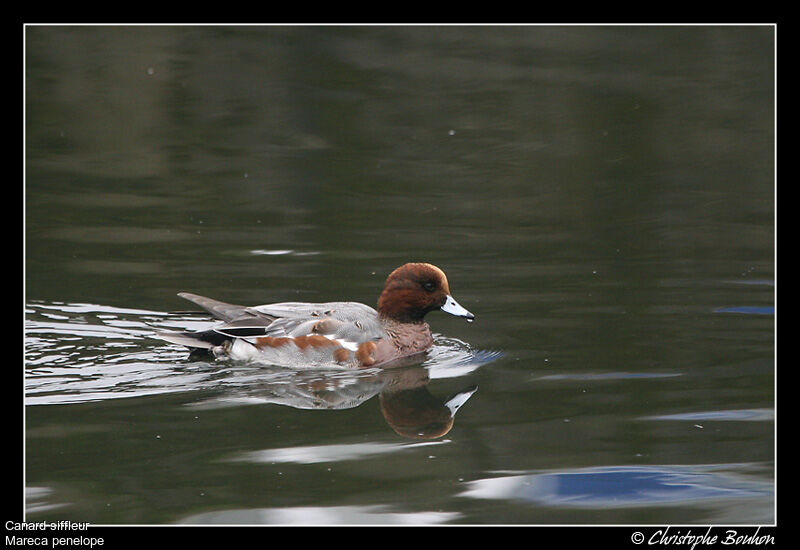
[344, 333]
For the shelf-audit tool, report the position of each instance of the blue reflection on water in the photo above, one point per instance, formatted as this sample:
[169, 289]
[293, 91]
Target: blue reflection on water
[750, 310]
[623, 486]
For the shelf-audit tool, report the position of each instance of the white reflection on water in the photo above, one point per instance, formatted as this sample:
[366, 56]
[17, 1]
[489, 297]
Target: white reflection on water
[263, 252]
[626, 486]
[36, 500]
[319, 515]
[736, 414]
[608, 375]
[314, 454]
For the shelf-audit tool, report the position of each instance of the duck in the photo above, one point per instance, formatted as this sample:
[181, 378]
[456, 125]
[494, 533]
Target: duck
[348, 334]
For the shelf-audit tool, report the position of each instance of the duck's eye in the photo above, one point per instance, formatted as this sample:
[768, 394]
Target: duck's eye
[430, 286]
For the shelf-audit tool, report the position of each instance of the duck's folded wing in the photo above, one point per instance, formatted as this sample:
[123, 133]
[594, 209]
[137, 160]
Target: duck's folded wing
[342, 321]
[220, 310]
[347, 323]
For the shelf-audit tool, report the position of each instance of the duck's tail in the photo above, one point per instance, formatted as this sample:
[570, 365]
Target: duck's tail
[205, 339]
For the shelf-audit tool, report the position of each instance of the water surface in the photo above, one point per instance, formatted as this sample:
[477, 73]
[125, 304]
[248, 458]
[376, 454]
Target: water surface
[602, 198]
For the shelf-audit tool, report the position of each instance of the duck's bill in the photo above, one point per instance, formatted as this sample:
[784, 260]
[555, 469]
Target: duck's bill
[451, 306]
[455, 402]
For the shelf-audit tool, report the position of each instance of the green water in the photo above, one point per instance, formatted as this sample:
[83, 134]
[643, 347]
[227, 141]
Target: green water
[602, 198]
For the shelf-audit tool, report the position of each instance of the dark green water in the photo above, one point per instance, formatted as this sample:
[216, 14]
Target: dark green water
[602, 198]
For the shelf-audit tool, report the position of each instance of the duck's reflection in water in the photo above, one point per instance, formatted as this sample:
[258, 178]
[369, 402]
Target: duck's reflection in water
[412, 411]
[408, 406]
